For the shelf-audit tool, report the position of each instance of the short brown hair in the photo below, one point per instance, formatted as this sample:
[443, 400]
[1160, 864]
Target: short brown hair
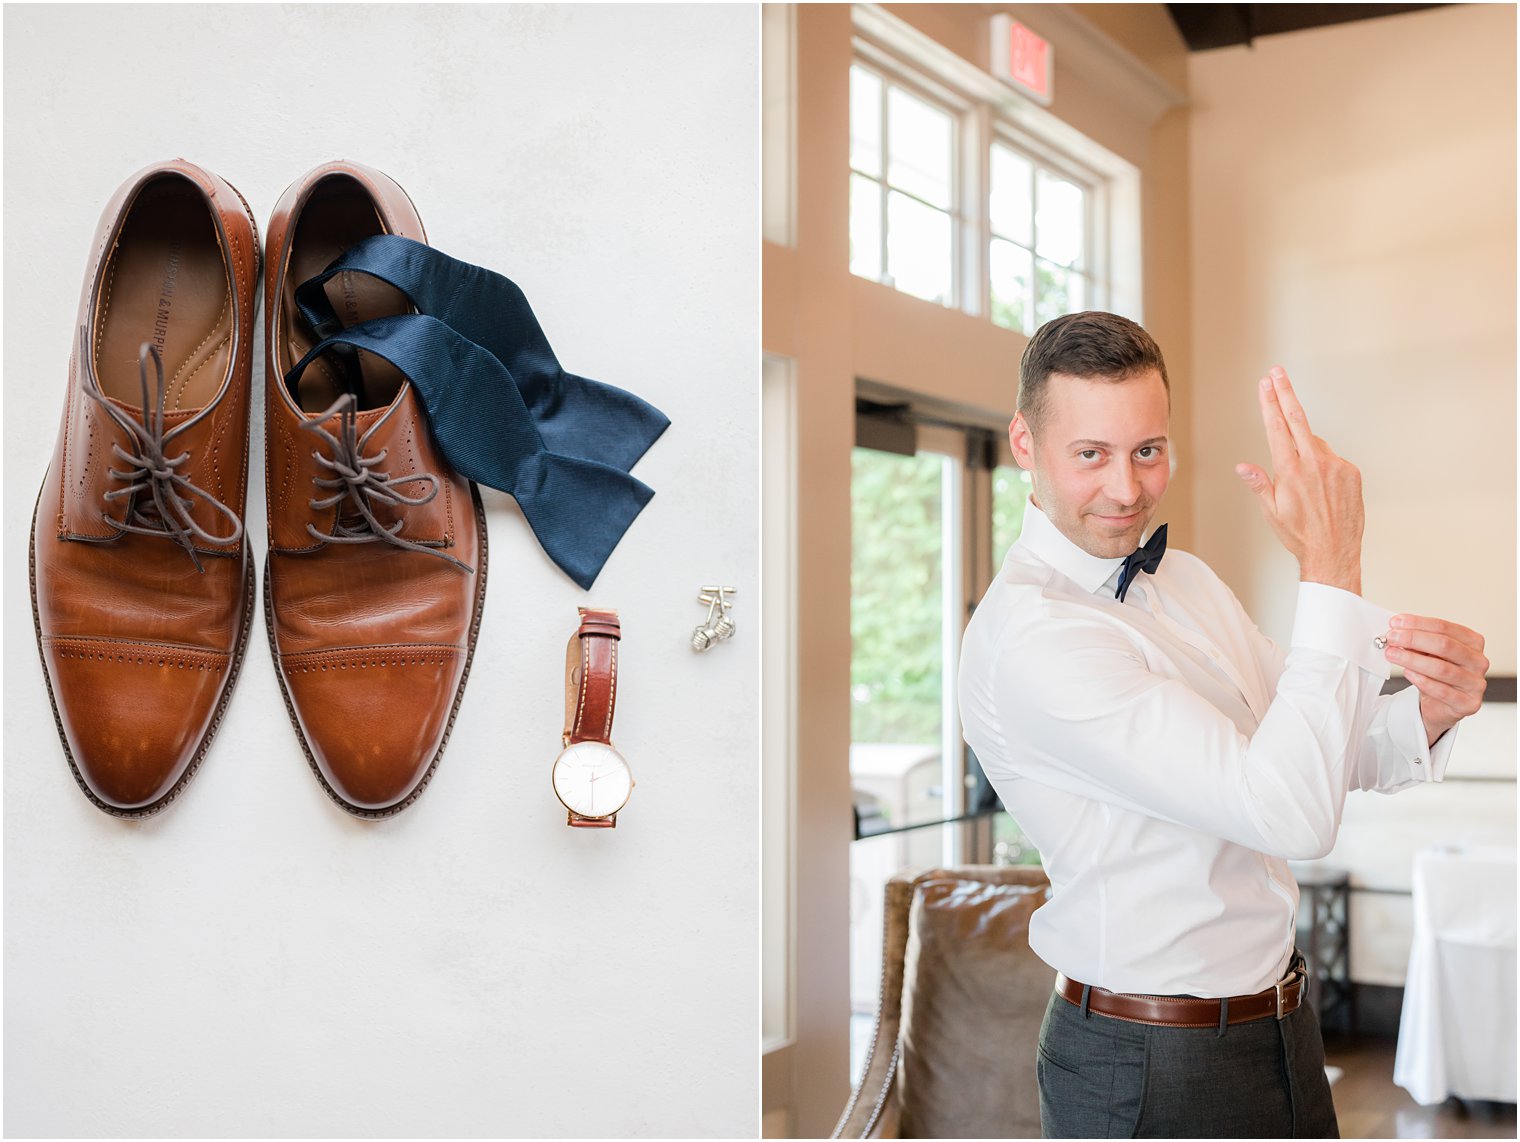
[1090, 345]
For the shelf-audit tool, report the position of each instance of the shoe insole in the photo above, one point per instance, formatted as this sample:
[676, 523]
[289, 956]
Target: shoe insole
[166, 284]
[339, 214]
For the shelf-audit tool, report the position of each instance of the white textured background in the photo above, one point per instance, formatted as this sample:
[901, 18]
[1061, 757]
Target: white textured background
[254, 961]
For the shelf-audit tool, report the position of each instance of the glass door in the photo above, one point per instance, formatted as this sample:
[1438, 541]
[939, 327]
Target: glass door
[933, 514]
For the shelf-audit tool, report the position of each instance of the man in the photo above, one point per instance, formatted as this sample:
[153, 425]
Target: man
[1168, 759]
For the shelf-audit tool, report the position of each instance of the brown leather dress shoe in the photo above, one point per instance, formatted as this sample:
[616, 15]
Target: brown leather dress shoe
[142, 585]
[377, 548]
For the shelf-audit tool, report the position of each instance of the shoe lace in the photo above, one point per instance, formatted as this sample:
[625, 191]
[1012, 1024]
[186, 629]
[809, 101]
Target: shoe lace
[358, 479]
[172, 493]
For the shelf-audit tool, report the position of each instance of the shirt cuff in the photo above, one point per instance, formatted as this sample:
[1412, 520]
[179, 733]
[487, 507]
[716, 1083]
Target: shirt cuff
[1406, 733]
[1337, 622]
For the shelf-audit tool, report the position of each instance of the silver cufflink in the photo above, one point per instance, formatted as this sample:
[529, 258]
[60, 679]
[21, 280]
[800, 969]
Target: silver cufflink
[1380, 642]
[719, 625]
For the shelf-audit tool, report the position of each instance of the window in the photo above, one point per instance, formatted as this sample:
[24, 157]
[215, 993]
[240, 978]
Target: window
[935, 506]
[1038, 258]
[902, 188]
[958, 199]
[897, 612]
[903, 623]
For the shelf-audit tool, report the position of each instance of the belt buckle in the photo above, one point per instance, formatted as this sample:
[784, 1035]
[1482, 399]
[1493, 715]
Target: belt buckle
[1278, 989]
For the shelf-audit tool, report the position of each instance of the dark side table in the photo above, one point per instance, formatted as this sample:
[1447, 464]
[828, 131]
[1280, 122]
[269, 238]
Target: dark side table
[1324, 937]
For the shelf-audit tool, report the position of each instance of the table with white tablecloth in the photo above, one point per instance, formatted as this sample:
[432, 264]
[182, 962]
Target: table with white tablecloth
[1457, 1031]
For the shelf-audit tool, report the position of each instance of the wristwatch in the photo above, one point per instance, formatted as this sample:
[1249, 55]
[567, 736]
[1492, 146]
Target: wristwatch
[591, 779]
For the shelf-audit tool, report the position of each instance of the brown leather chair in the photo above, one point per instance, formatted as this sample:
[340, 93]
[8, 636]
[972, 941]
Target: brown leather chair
[958, 1020]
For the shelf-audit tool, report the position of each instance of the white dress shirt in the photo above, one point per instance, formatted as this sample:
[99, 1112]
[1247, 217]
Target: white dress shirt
[1167, 759]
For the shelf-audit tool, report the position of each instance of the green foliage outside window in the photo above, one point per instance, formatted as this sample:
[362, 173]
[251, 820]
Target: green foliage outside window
[1010, 494]
[896, 616]
[896, 676]
[1008, 313]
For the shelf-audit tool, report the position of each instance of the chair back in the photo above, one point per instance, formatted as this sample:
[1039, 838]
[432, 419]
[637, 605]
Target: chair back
[958, 1021]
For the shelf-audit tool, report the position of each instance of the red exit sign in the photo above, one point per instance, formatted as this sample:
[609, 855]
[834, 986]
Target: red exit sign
[1022, 58]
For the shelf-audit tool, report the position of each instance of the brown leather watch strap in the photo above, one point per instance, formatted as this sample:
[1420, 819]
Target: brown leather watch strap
[591, 677]
[591, 690]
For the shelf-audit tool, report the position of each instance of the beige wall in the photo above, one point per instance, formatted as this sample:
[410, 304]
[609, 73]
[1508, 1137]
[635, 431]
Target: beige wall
[1353, 219]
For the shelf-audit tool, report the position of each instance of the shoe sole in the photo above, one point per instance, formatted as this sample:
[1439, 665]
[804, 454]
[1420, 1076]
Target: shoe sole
[245, 623]
[311, 760]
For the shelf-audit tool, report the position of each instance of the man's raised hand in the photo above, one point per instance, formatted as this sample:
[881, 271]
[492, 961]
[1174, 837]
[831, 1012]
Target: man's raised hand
[1313, 499]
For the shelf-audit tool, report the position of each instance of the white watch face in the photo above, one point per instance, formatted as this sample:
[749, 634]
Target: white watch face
[592, 779]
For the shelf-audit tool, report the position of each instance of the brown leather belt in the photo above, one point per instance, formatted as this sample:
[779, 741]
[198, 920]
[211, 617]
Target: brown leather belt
[1278, 1001]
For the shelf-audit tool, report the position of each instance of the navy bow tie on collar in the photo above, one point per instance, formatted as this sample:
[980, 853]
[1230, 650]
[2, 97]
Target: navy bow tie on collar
[502, 409]
[1147, 557]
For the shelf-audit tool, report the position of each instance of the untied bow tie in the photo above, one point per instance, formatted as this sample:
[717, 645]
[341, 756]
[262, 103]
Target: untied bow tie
[1146, 557]
[502, 409]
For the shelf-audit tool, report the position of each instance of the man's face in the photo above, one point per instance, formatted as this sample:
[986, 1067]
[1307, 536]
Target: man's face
[1101, 462]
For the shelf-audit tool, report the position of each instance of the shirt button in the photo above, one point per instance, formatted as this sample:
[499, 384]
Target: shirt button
[1414, 761]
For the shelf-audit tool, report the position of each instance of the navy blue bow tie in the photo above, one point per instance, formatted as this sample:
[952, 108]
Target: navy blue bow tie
[502, 409]
[1147, 557]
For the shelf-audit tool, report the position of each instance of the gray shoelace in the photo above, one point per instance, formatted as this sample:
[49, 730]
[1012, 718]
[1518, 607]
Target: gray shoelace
[357, 479]
[168, 513]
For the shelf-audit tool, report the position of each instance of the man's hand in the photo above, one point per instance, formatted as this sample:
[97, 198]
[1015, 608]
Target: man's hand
[1445, 663]
[1313, 500]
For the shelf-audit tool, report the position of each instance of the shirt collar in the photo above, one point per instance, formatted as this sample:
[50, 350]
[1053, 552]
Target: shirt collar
[1044, 540]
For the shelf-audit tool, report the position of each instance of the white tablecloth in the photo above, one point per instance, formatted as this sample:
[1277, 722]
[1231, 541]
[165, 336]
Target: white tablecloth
[1457, 1033]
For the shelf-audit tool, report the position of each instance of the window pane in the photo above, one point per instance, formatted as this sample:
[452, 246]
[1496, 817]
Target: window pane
[1010, 494]
[1012, 206]
[920, 152]
[1060, 220]
[865, 121]
[1057, 291]
[1009, 265]
[897, 553]
[896, 621]
[865, 227]
[918, 248]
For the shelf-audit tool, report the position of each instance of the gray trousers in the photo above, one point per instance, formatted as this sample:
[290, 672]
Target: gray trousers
[1107, 1078]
